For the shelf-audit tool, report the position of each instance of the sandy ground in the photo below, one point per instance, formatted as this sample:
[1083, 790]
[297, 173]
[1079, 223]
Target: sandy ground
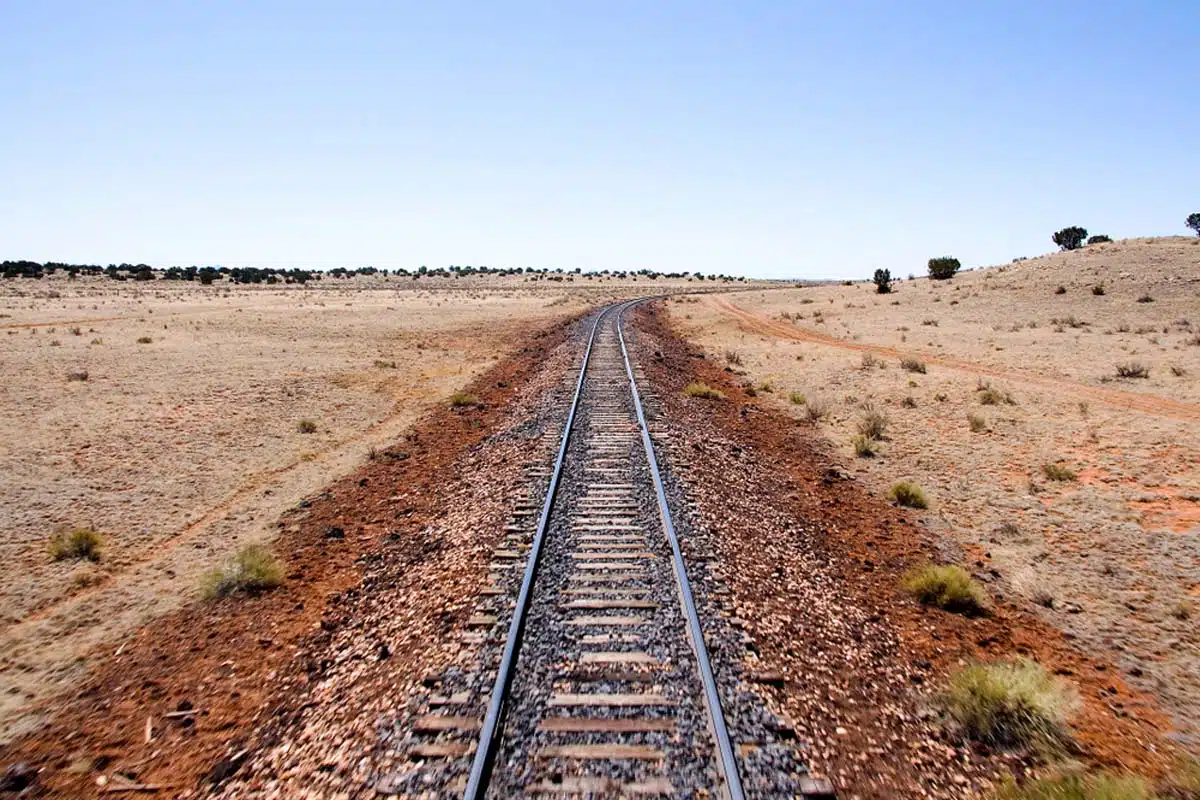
[180, 450]
[1111, 557]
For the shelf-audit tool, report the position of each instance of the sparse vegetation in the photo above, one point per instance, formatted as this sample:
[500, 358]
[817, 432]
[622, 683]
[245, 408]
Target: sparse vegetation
[306, 426]
[1099, 238]
[869, 361]
[1060, 473]
[462, 399]
[1070, 238]
[933, 323]
[1011, 703]
[381, 364]
[909, 402]
[909, 495]
[912, 365]
[1078, 786]
[1061, 290]
[702, 390]
[1145, 299]
[252, 571]
[948, 587]
[766, 387]
[943, 267]
[1132, 369]
[733, 357]
[797, 398]
[1098, 290]
[978, 423]
[78, 375]
[75, 544]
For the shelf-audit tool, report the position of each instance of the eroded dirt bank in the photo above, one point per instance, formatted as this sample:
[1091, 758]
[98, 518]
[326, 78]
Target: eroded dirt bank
[814, 560]
[196, 696]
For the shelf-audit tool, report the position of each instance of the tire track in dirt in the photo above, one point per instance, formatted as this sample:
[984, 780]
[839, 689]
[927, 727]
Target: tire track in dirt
[1130, 401]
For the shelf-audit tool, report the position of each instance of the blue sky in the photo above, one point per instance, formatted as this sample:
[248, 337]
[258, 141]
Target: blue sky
[774, 139]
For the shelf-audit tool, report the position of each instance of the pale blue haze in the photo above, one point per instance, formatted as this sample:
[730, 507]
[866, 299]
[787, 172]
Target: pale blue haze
[760, 138]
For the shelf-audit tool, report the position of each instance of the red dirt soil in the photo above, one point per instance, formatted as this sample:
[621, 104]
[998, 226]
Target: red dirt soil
[220, 660]
[871, 544]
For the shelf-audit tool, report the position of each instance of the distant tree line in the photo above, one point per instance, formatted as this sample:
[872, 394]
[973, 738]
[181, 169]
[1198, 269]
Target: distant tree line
[268, 275]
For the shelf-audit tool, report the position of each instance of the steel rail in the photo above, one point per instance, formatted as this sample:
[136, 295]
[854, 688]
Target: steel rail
[729, 766]
[489, 737]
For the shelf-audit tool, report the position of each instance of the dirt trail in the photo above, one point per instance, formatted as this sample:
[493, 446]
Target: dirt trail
[1133, 401]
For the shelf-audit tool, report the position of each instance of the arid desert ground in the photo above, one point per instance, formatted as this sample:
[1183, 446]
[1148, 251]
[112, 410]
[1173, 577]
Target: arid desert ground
[168, 417]
[1014, 373]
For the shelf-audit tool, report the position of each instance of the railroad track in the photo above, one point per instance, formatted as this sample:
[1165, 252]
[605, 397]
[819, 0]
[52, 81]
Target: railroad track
[593, 678]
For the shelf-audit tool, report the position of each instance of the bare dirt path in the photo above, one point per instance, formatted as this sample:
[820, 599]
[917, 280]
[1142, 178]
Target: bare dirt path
[1114, 397]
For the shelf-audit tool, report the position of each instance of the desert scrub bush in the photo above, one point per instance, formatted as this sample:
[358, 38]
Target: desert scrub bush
[978, 424]
[381, 364]
[1011, 703]
[1058, 472]
[78, 375]
[75, 544]
[461, 399]
[306, 426]
[1061, 290]
[145, 340]
[816, 409]
[908, 495]
[933, 323]
[1132, 369]
[873, 424]
[864, 446]
[1177, 371]
[948, 587]
[733, 357]
[943, 268]
[869, 361]
[1077, 786]
[1145, 299]
[913, 365]
[253, 570]
[909, 402]
[766, 387]
[1098, 290]
[702, 390]
[797, 398]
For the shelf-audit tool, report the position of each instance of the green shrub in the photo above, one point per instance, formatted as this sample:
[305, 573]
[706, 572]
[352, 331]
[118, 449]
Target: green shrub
[883, 281]
[913, 365]
[306, 426]
[1057, 472]
[948, 587]
[909, 495]
[943, 267]
[1070, 238]
[797, 398]
[75, 543]
[1077, 786]
[703, 390]
[1011, 703]
[252, 571]
[1099, 238]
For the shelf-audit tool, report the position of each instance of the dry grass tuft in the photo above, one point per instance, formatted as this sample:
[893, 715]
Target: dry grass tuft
[797, 398]
[78, 375]
[874, 423]
[306, 426]
[913, 365]
[1012, 703]
[252, 571]
[702, 390]
[145, 340]
[909, 495]
[1057, 472]
[75, 543]
[733, 357]
[816, 408]
[948, 587]
[462, 399]
[864, 446]
[1132, 369]
[978, 424]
